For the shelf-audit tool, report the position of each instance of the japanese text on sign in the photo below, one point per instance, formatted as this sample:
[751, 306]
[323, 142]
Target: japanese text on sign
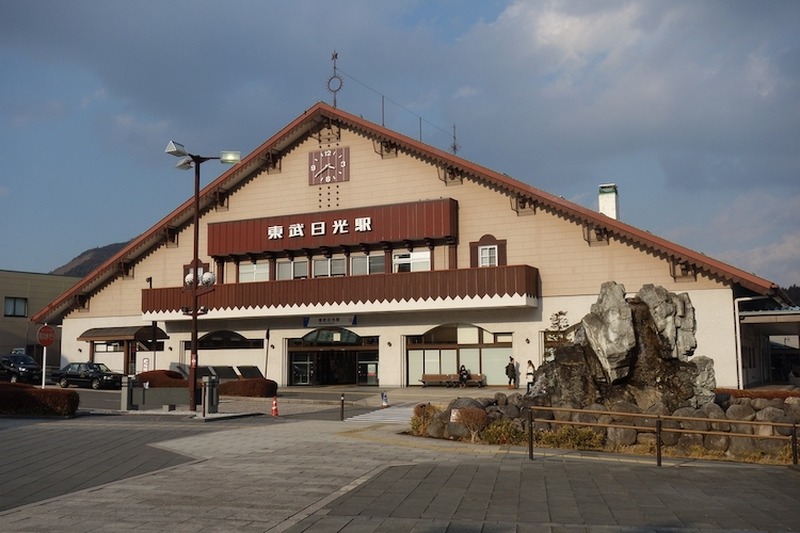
[317, 229]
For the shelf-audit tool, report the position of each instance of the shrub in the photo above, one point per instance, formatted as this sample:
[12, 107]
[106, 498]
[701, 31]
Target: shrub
[163, 379]
[504, 431]
[570, 437]
[25, 400]
[424, 414]
[474, 419]
[250, 387]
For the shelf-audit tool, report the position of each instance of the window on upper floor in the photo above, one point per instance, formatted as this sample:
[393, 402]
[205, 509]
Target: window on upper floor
[249, 271]
[297, 269]
[361, 265]
[15, 307]
[488, 251]
[411, 261]
[487, 256]
[325, 268]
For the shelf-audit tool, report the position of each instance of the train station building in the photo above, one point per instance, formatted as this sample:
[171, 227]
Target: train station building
[341, 252]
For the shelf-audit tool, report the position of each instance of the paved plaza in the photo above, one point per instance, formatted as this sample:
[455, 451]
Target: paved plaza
[308, 471]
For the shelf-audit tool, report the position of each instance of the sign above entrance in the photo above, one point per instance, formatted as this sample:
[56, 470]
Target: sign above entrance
[397, 223]
[335, 320]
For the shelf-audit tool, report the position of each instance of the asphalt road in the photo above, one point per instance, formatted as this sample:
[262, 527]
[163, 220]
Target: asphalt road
[43, 459]
[98, 399]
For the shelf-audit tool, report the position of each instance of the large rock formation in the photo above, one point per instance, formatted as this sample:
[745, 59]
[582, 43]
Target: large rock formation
[635, 350]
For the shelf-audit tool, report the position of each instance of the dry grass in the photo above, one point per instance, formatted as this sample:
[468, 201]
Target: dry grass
[784, 457]
[767, 394]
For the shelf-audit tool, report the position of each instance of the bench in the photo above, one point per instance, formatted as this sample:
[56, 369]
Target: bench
[448, 380]
[451, 380]
[479, 380]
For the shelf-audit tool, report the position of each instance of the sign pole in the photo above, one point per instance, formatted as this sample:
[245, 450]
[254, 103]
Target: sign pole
[44, 364]
[46, 336]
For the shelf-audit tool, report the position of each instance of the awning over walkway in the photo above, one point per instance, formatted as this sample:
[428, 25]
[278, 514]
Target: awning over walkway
[124, 333]
[774, 322]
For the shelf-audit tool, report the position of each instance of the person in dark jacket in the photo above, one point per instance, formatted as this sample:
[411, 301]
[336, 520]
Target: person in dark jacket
[463, 376]
[511, 372]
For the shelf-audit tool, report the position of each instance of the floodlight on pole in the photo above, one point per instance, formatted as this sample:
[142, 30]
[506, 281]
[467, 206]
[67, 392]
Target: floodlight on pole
[188, 161]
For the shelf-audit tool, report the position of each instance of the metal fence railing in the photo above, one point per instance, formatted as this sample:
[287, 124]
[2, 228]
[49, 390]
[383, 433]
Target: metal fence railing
[655, 424]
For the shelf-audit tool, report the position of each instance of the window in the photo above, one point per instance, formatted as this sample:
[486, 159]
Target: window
[16, 307]
[249, 272]
[411, 261]
[367, 264]
[110, 346]
[487, 252]
[487, 256]
[324, 268]
[291, 270]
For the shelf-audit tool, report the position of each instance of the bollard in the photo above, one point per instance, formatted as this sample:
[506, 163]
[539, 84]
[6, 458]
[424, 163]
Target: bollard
[126, 397]
[341, 411]
[384, 400]
[274, 406]
[210, 395]
[530, 433]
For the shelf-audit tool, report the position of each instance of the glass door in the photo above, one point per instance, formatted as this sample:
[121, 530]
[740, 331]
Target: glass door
[302, 369]
[368, 368]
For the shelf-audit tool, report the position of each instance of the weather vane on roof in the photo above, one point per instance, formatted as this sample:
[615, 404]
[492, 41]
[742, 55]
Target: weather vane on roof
[335, 82]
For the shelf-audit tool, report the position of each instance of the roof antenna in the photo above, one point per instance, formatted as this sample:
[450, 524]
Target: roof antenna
[335, 82]
[454, 147]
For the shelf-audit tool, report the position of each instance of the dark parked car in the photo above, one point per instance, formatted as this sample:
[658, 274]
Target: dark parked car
[20, 367]
[94, 375]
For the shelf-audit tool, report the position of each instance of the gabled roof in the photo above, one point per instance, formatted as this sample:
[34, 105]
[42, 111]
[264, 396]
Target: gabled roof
[320, 116]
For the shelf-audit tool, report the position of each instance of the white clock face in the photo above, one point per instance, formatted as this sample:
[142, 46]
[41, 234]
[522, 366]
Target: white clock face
[331, 165]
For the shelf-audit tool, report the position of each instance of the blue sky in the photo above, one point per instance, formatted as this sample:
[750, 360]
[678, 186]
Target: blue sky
[691, 107]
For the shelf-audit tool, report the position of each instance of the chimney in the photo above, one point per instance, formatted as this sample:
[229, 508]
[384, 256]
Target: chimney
[608, 200]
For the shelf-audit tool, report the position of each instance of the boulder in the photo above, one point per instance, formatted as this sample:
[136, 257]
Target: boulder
[741, 446]
[608, 329]
[673, 316]
[617, 436]
[635, 350]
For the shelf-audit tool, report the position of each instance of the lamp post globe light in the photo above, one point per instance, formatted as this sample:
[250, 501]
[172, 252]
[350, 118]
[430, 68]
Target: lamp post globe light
[189, 160]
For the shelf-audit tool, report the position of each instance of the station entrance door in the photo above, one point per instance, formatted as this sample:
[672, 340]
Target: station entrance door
[333, 356]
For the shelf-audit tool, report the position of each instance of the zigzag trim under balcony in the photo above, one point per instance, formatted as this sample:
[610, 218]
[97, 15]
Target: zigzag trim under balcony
[519, 285]
[447, 304]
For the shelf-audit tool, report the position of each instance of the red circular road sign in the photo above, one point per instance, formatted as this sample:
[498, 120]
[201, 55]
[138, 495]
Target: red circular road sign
[46, 335]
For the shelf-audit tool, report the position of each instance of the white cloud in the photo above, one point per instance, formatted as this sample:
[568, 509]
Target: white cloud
[466, 91]
[778, 261]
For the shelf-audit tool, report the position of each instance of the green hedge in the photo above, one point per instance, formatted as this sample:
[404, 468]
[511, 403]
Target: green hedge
[19, 399]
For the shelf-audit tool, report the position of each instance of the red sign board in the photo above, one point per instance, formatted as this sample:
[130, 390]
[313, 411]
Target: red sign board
[46, 335]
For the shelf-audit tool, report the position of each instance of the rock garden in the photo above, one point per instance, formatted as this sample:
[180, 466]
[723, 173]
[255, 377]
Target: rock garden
[630, 356]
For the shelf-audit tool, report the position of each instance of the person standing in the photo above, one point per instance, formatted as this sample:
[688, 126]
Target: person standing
[529, 374]
[511, 372]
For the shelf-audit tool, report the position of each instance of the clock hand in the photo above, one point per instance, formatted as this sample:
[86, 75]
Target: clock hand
[323, 169]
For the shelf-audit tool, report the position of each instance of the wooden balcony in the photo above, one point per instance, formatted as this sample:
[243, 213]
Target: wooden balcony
[486, 285]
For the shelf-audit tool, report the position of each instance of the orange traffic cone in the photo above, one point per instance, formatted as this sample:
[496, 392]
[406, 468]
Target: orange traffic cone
[275, 406]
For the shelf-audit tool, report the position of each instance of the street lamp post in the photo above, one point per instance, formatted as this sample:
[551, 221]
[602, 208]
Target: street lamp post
[193, 278]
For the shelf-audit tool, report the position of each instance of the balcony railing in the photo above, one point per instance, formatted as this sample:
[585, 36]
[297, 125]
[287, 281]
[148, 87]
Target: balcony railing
[490, 282]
